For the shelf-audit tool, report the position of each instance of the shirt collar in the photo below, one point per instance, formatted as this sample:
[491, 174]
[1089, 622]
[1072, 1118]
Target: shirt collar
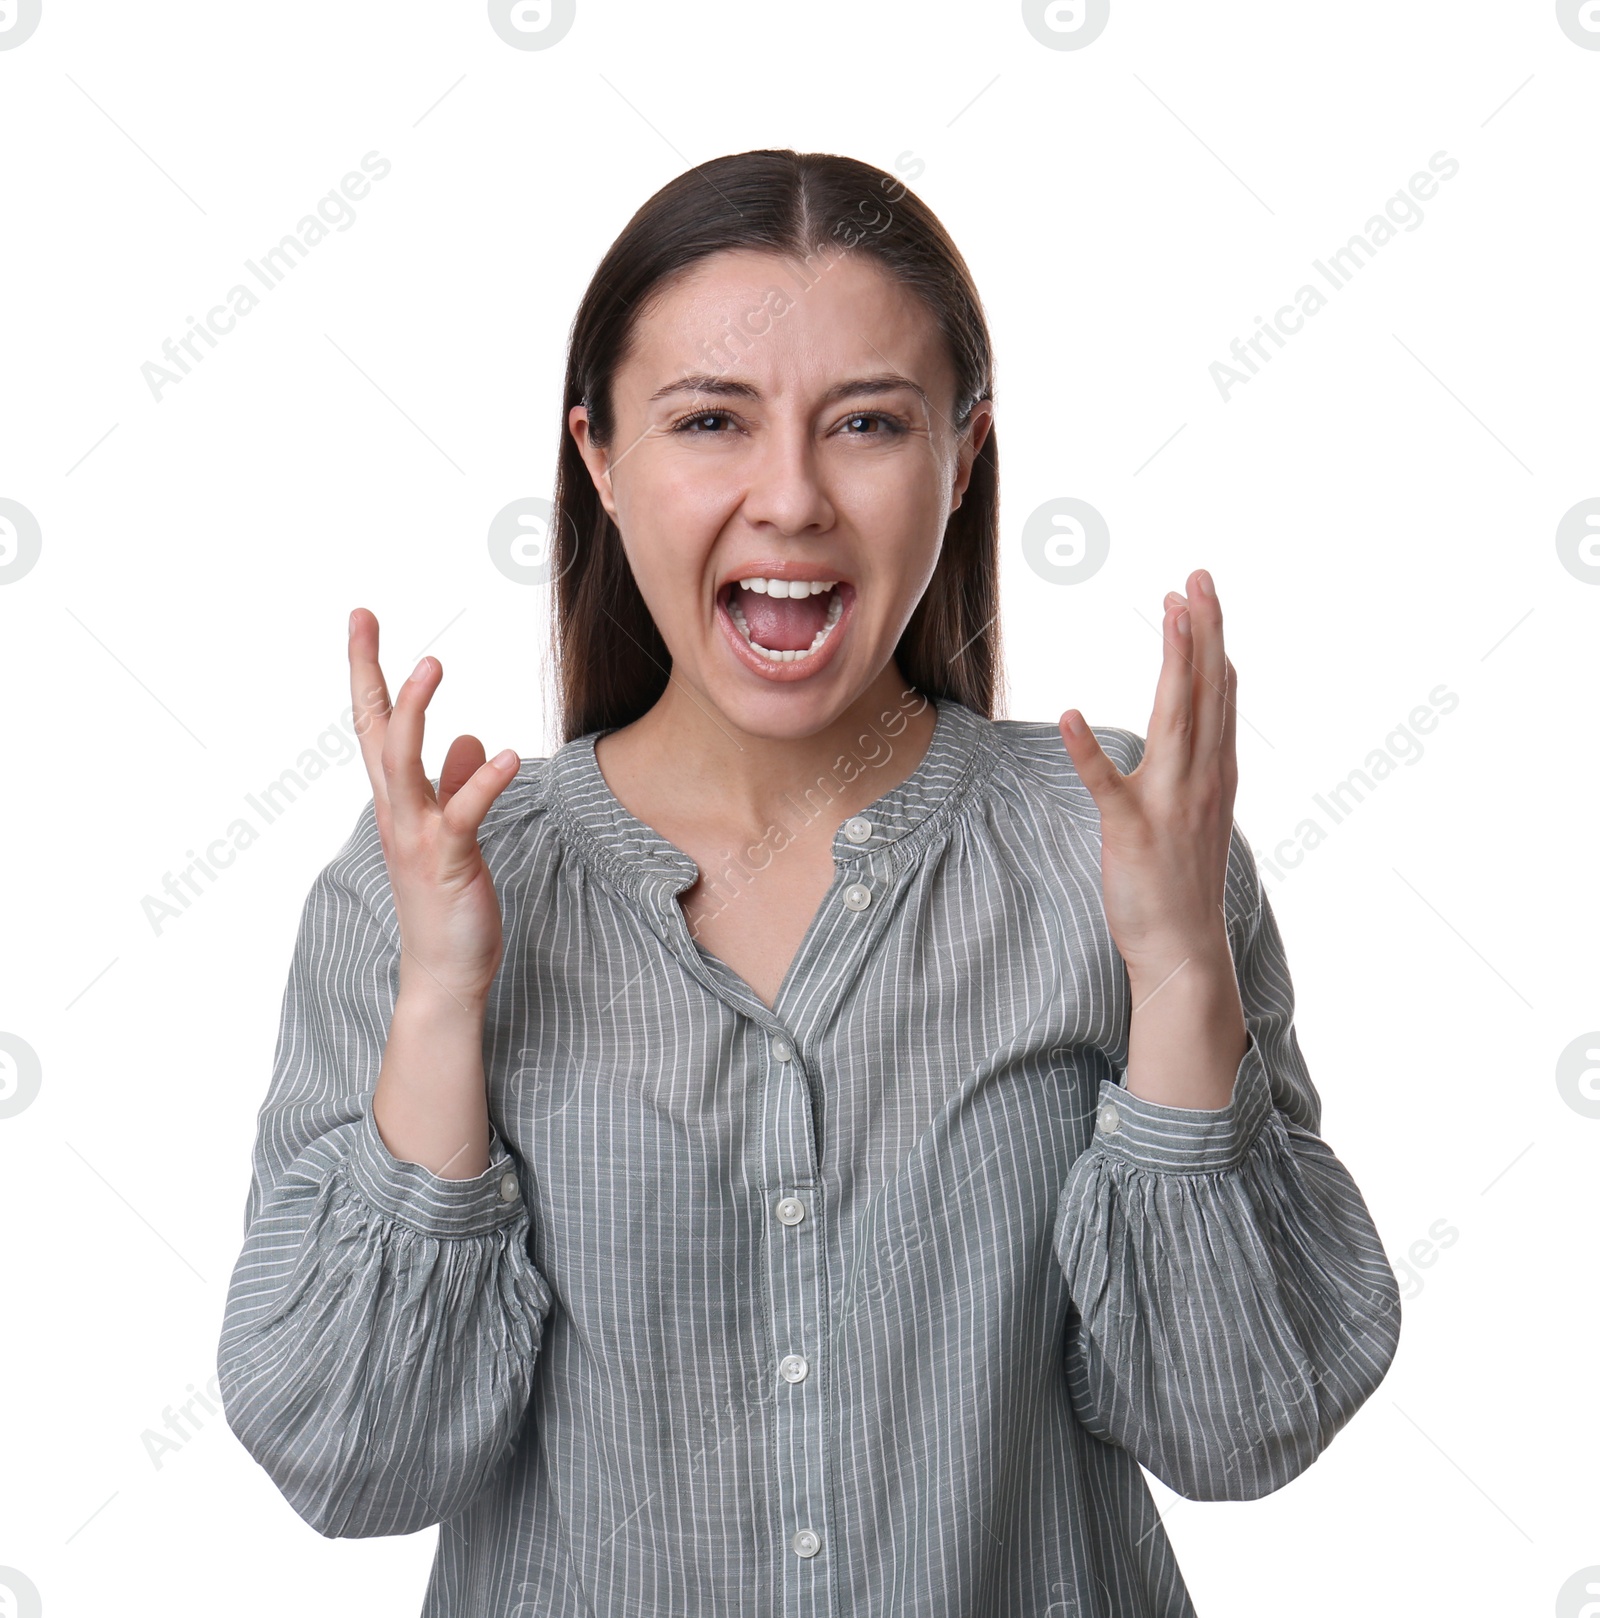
[900, 822]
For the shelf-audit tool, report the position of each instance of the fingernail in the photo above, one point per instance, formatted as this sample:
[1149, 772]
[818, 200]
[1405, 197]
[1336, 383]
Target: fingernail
[421, 669]
[1183, 622]
[1203, 579]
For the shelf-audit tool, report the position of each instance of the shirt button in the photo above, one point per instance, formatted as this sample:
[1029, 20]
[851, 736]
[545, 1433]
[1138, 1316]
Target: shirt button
[806, 1542]
[1110, 1118]
[791, 1210]
[793, 1368]
[508, 1188]
[782, 1049]
[858, 829]
[858, 896]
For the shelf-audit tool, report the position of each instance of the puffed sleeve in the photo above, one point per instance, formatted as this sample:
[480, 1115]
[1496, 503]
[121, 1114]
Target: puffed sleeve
[1232, 1305]
[381, 1323]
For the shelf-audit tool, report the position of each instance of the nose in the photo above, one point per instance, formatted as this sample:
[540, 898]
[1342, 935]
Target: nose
[786, 489]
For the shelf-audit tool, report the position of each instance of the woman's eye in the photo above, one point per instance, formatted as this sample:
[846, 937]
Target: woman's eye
[886, 424]
[877, 424]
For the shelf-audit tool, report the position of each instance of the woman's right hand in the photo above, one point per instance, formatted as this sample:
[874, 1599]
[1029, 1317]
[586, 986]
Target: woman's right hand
[450, 930]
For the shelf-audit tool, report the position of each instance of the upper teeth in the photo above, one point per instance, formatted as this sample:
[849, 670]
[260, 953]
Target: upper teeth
[787, 587]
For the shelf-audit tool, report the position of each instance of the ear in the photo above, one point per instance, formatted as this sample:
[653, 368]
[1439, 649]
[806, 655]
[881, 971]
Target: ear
[594, 457]
[967, 450]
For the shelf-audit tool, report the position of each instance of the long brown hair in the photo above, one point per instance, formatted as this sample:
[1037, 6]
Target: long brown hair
[610, 664]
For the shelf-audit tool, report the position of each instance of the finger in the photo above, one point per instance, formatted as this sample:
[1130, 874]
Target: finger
[1168, 743]
[465, 756]
[465, 811]
[410, 790]
[369, 699]
[1095, 769]
[1230, 728]
[1210, 667]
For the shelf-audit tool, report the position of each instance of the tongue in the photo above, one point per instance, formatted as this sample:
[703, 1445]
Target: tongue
[784, 624]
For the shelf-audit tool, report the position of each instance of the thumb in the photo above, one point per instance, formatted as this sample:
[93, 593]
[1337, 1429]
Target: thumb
[1095, 768]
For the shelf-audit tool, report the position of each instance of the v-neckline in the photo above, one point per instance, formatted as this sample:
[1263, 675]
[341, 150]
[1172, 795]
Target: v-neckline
[718, 964]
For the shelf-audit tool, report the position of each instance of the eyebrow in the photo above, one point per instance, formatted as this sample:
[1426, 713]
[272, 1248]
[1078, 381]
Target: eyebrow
[725, 387]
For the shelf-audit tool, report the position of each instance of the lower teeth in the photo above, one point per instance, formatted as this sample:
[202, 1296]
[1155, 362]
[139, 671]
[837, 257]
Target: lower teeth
[835, 611]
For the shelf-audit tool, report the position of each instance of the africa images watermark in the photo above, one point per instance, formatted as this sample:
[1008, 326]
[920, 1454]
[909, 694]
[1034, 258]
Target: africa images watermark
[182, 1424]
[1340, 269]
[333, 212]
[180, 890]
[1403, 745]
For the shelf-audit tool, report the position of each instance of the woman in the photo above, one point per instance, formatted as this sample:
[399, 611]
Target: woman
[805, 1144]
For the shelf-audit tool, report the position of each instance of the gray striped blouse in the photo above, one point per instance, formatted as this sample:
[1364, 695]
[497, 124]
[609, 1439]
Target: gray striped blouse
[875, 1303]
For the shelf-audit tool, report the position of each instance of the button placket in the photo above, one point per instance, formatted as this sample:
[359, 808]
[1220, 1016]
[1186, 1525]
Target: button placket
[799, 1249]
[799, 1321]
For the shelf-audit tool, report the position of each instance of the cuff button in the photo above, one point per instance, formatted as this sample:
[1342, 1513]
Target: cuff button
[1110, 1119]
[508, 1188]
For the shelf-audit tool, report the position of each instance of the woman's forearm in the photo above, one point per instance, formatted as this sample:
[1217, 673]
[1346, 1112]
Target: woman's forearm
[430, 1103]
[1188, 1033]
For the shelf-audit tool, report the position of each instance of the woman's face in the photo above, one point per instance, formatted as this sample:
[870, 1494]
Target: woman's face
[794, 435]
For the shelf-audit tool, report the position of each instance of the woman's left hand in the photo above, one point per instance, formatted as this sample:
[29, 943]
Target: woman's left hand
[1165, 828]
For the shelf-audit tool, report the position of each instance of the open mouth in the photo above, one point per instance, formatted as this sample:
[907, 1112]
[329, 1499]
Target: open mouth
[786, 621]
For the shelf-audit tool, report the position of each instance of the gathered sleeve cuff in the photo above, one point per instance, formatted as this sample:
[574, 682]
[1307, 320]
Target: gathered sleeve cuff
[1185, 1140]
[429, 1204]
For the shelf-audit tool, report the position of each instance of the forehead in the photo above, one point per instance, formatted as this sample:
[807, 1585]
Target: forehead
[786, 324]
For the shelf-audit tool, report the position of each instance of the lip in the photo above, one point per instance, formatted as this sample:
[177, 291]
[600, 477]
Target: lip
[787, 673]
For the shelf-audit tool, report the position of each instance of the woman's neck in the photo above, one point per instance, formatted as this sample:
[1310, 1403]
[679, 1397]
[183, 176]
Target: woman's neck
[686, 763]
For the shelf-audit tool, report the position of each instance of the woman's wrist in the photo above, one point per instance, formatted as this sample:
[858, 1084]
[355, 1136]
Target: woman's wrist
[1188, 1035]
[430, 1103]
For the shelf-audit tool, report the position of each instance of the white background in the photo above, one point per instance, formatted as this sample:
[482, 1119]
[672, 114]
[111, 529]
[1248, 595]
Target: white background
[1378, 506]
